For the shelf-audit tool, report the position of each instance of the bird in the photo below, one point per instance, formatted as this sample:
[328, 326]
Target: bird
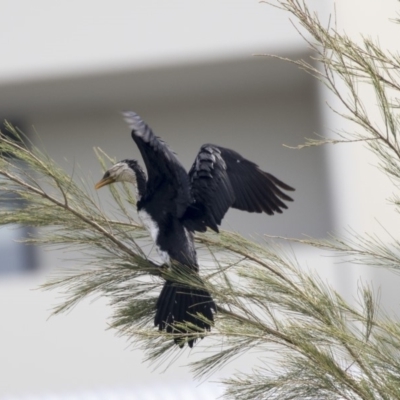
[173, 204]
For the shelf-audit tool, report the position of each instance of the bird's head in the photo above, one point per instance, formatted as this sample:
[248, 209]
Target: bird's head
[123, 171]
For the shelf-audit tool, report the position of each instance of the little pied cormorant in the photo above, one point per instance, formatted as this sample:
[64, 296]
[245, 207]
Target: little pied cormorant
[172, 204]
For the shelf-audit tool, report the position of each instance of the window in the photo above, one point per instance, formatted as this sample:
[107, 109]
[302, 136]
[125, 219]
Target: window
[14, 255]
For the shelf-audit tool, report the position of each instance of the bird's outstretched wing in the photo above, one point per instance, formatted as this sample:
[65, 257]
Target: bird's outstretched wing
[161, 163]
[221, 178]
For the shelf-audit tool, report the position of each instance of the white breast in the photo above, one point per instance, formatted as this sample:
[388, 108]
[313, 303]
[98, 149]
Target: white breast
[153, 229]
[149, 224]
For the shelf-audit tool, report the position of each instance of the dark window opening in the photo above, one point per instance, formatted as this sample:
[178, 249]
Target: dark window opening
[15, 257]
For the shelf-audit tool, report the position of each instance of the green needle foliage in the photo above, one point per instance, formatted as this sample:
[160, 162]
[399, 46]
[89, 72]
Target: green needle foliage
[343, 66]
[312, 343]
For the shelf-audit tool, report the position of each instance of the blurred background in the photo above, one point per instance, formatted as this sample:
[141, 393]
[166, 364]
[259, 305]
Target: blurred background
[193, 71]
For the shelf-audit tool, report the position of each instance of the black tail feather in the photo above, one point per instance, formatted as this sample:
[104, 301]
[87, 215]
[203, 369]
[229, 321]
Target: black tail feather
[180, 304]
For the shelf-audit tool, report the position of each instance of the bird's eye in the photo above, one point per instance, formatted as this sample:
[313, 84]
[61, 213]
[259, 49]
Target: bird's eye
[106, 175]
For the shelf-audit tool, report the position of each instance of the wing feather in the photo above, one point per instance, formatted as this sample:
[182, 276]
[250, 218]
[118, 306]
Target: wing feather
[161, 163]
[254, 185]
[221, 178]
[211, 190]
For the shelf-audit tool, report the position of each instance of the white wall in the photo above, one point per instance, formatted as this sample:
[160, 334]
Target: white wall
[366, 190]
[371, 20]
[48, 38]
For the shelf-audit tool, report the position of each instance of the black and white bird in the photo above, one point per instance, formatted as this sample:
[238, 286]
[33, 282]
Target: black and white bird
[172, 204]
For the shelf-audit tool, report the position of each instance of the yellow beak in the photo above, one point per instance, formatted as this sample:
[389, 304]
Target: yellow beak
[104, 182]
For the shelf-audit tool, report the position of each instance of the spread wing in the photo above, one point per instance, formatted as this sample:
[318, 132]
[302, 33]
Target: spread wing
[221, 178]
[161, 163]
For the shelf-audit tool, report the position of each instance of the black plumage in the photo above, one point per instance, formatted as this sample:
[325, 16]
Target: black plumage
[173, 204]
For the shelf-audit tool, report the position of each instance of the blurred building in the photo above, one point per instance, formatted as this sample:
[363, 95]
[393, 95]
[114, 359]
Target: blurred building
[190, 71]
